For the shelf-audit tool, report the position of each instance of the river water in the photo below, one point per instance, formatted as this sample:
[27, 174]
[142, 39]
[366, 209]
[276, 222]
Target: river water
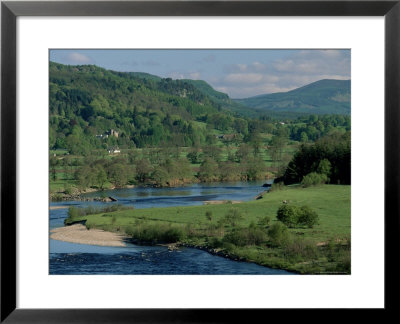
[71, 258]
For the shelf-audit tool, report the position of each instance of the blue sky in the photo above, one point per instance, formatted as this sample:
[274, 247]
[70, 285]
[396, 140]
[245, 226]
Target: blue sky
[239, 73]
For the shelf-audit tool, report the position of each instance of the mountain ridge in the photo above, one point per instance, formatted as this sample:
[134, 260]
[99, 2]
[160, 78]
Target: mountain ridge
[326, 96]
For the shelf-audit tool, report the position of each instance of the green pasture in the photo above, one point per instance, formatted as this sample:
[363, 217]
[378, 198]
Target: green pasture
[331, 202]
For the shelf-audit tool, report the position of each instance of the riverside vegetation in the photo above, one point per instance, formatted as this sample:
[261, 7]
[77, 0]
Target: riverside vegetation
[313, 237]
[112, 130]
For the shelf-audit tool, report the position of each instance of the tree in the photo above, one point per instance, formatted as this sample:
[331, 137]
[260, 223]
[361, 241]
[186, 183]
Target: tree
[324, 167]
[101, 177]
[277, 144]
[208, 170]
[118, 174]
[53, 165]
[335, 148]
[254, 167]
[314, 179]
[242, 152]
[254, 139]
[213, 151]
[241, 126]
[303, 137]
[194, 156]
[143, 169]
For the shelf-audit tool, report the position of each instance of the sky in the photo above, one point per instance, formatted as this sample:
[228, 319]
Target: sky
[238, 73]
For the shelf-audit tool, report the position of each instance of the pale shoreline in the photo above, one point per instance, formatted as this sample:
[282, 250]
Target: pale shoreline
[79, 234]
[58, 207]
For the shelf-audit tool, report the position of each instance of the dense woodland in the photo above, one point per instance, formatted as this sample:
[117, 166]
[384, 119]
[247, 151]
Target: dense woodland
[168, 132]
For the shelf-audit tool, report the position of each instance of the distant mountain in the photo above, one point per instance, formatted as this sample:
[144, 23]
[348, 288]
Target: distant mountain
[320, 97]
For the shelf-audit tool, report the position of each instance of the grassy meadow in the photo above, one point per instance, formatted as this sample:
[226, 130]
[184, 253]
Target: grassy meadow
[248, 231]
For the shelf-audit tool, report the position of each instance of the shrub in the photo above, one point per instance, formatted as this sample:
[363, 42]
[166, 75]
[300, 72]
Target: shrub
[314, 179]
[278, 234]
[246, 236]
[236, 237]
[56, 197]
[288, 215]
[233, 216]
[297, 216]
[344, 262]
[214, 242]
[73, 212]
[156, 233]
[255, 236]
[173, 234]
[301, 249]
[265, 221]
[307, 217]
[69, 190]
[229, 247]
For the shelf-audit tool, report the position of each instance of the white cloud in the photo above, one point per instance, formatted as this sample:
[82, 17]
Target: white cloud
[243, 77]
[194, 75]
[78, 58]
[189, 75]
[303, 67]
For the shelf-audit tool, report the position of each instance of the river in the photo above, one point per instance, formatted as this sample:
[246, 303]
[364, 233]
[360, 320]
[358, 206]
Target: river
[71, 258]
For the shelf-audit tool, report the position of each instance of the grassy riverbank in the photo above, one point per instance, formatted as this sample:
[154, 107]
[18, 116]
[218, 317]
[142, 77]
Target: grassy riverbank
[249, 231]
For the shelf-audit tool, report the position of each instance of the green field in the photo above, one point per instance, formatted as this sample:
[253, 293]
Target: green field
[325, 248]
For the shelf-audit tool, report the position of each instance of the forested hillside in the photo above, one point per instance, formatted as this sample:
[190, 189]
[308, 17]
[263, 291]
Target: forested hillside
[87, 102]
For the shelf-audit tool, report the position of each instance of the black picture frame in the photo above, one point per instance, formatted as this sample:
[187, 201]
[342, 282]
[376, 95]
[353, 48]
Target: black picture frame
[10, 10]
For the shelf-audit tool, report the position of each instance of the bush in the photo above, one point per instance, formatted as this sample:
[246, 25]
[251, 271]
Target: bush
[301, 249]
[246, 236]
[233, 216]
[288, 215]
[162, 233]
[293, 216]
[314, 179]
[307, 217]
[73, 213]
[237, 237]
[214, 242]
[255, 236]
[265, 221]
[278, 234]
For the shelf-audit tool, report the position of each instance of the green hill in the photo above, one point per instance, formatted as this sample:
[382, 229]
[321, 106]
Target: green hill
[321, 97]
[87, 102]
[220, 98]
